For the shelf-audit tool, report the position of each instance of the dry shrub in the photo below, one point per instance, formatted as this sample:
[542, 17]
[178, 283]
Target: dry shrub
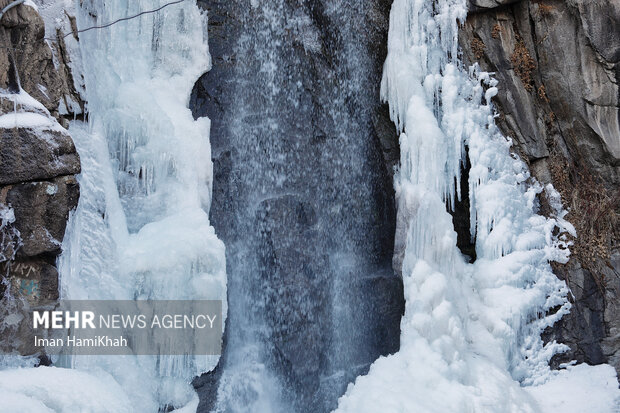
[496, 31]
[542, 94]
[592, 210]
[477, 46]
[523, 64]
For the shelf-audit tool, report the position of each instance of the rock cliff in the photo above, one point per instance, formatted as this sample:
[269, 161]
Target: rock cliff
[38, 161]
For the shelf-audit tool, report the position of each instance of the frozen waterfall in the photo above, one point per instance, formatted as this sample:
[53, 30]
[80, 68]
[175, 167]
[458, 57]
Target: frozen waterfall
[307, 218]
[141, 230]
[470, 336]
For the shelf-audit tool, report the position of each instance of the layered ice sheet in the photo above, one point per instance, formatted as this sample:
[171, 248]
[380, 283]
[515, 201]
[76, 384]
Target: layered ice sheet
[470, 336]
[141, 229]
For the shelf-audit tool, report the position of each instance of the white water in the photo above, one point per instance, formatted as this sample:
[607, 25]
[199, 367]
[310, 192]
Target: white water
[141, 229]
[470, 336]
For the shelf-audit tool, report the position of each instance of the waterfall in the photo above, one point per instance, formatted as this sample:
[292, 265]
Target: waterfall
[308, 227]
[302, 201]
[141, 229]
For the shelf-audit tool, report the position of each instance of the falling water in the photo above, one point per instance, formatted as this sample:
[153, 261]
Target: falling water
[302, 200]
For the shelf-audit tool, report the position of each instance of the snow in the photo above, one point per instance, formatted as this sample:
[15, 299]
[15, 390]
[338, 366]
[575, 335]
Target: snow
[31, 4]
[50, 389]
[24, 120]
[7, 216]
[470, 336]
[27, 113]
[10, 237]
[24, 101]
[579, 389]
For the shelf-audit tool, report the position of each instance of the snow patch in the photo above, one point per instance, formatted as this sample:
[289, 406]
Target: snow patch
[50, 389]
[579, 389]
[24, 120]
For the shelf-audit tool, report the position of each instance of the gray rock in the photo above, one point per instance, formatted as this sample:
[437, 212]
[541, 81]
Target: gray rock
[37, 166]
[28, 155]
[477, 5]
[35, 280]
[37, 170]
[569, 101]
[41, 212]
[30, 61]
[34, 284]
[611, 342]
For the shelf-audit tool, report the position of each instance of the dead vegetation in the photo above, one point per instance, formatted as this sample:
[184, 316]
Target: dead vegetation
[523, 64]
[592, 210]
[496, 31]
[477, 47]
[542, 94]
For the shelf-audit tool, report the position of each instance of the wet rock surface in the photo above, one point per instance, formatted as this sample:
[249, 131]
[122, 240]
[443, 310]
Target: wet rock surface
[303, 160]
[557, 63]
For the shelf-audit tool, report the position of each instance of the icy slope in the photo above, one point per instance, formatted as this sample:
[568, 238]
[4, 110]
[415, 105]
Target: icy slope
[471, 332]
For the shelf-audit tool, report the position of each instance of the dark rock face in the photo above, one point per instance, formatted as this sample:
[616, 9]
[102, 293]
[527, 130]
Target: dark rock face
[41, 212]
[37, 170]
[37, 181]
[303, 158]
[558, 64]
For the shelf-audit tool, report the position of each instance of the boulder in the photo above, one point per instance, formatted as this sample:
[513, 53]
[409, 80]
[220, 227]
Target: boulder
[28, 154]
[41, 212]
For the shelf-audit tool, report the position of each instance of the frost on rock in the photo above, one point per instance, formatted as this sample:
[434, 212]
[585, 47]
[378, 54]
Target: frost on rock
[9, 235]
[470, 336]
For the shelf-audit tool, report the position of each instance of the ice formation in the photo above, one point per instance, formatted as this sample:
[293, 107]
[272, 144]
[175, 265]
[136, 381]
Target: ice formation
[141, 229]
[470, 336]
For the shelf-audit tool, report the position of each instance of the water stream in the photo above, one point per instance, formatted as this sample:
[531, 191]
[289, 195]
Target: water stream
[302, 200]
